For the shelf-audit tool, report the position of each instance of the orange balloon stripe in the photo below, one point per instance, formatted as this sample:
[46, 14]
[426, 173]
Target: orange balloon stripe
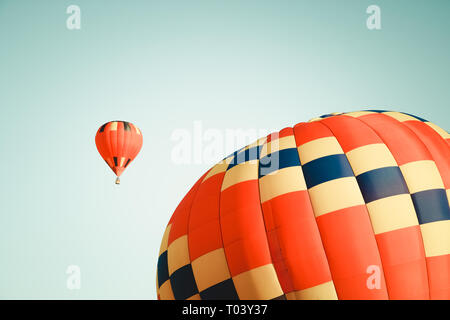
[294, 240]
[120, 139]
[113, 140]
[176, 262]
[439, 276]
[401, 250]
[103, 141]
[310, 131]
[206, 248]
[404, 146]
[273, 227]
[351, 248]
[243, 231]
[298, 241]
[204, 223]
[129, 139]
[133, 147]
[437, 147]
[411, 148]
[361, 135]
[346, 233]
[404, 264]
[180, 218]
[437, 267]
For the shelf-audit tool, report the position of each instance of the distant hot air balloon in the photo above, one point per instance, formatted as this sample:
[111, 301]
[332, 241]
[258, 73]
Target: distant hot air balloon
[345, 206]
[118, 142]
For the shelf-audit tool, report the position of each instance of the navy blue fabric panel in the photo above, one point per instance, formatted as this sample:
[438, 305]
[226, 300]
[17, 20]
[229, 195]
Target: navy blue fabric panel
[282, 297]
[379, 111]
[163, 269]
[233, 159]
[325, 169]
[244, 156]
[418, 118]
[183, 283]
[431, 205]
[278, 160]
[233, 154]
[224, 290]
[381, 183]
[102, 128]
[126, 126]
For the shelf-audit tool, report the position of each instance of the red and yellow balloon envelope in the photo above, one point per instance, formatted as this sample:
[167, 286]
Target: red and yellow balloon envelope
[118, 142]
[345, 206]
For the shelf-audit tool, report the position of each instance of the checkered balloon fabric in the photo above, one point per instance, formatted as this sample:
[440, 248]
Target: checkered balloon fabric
[345, 206]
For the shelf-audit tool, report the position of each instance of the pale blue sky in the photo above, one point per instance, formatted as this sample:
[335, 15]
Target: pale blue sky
[163, 65]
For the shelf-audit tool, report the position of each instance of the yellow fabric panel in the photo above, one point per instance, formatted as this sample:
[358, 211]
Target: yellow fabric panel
[357, 114]
[291, 296]
[165, 291]
[178, 254]
[392, 213]
[370, 157]
[156, 282]
[113, 126]
[444, 134]
[400, 116]
[218, 168]
[277, 145]
[245, 153]
[194, 297]
[335, 195]
[324, 291]
[260, 283]
[210, 269]
[422, 175]
[436, 238]
[258, 142]
[241, 172]
[318, 148]
[280, 182]
[165, 240]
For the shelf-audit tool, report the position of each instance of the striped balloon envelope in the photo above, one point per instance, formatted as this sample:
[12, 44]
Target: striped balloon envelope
[346, 206]
[118, 143]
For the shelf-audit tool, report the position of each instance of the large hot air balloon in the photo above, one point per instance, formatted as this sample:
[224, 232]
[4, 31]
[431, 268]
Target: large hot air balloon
[345, 206]
[118, 142]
